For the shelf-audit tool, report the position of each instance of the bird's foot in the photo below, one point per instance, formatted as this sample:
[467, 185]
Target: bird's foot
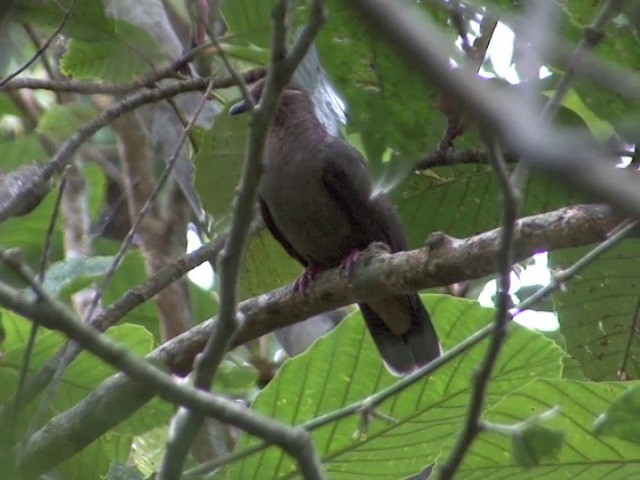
[304, 281]
[346, 266]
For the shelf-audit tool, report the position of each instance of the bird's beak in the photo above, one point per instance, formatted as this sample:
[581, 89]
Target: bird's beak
[239, 108]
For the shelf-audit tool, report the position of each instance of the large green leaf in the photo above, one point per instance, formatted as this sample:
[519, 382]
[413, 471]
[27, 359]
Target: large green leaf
[219, 163]
[131, 273]
[266, 266]
[390, 105]
[464, 200]
[73, 274]
[100, 47]
[82, 376]
[619, 45]
[249, 22]
[598, 311]
[345, 367]
[583, 456]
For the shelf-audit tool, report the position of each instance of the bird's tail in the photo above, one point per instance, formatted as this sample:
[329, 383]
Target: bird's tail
[406, 352]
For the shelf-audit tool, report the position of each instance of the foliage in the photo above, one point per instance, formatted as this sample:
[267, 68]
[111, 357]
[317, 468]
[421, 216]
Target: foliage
[396, 120]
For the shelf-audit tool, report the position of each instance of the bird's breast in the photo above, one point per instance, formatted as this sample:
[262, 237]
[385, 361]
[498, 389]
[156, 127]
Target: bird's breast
[304, 211]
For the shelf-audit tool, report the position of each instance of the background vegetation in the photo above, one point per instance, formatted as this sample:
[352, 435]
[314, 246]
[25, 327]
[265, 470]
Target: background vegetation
[115, 142]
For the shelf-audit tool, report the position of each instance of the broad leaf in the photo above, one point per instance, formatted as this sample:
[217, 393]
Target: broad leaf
[583, 455]
[344, 367]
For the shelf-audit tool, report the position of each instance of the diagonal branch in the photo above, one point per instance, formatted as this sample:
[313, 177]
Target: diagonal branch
[63, 156]
[511, 205]
[186, 424]
[444, 261]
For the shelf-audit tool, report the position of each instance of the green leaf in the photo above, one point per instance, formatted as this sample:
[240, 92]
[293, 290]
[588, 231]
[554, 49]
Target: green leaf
[464, 200]
[21, 150]
[114, 61]
[583, 455]
[80, 378]
[389, 104]
[130, 274]
[266, 266]
[600, 129]
[61, 121]
[68, 276]
[619, 44]
[248, 22]
[100, 47]
[204, 303]
[344, 367]
[235, 379]
[598, 310]
[218, 163]
[533, 443]
[622, 418]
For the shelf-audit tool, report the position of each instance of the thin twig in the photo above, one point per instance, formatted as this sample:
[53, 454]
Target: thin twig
[44, 46]
[126, 243]
[510, 207]
[179, 443]
[187, 424]
[122, 396]
[18, 399]
[111, 315]
[591, 37]
[147, 80]
[133, 101]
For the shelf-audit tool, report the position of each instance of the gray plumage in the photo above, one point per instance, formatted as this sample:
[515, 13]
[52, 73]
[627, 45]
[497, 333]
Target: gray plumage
[316, 199]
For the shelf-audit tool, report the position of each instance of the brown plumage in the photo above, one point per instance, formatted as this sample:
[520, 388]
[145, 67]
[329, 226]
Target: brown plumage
[316, 199]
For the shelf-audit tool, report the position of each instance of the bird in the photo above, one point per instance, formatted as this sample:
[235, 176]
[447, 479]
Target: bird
[317, 199]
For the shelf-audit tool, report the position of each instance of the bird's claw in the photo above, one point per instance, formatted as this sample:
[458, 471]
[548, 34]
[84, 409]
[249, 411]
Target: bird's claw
[346, 266]
[304, 281]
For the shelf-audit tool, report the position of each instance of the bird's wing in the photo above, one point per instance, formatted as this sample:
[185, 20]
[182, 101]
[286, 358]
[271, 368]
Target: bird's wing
[278, 235]
[347, 179]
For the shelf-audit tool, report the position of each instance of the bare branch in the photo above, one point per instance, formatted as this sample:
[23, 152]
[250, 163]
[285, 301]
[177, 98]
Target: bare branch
[279, 74]
[511, 206]
[148, 80]
[133, 101]
[106, 406]
[44, 46]
[444, 261]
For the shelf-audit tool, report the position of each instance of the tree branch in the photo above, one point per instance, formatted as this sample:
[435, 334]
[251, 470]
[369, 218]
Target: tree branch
[445, 260]
[64, 154]
[511, 206]
[148, 80]
[282, 66]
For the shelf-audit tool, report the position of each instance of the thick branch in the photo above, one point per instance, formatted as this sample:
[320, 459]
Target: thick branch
[444, 261]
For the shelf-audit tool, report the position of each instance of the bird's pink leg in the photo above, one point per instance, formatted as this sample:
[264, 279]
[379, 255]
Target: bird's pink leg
[346, 266]
[303, 282]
